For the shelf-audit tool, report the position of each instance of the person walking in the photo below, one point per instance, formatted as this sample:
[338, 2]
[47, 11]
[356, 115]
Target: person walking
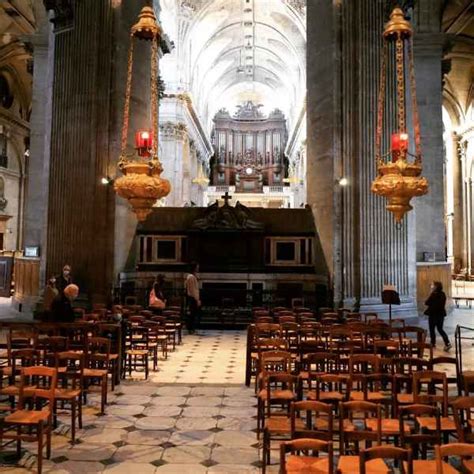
[193, 297]
[436, 313]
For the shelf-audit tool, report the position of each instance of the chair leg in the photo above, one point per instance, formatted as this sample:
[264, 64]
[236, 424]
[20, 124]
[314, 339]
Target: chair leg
[264, 453]
[18, 441]
[73, 420]
[40, 447]
[146, 366]
[79, 414]
[103, 400]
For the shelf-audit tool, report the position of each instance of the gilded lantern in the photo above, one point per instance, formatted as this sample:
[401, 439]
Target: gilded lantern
[399, 172]
[141, 183]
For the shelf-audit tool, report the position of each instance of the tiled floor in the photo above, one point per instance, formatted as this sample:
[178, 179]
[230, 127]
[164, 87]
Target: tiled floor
[193, 416]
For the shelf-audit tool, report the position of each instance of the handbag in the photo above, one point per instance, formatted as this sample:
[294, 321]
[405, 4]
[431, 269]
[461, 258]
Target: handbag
[154, 301]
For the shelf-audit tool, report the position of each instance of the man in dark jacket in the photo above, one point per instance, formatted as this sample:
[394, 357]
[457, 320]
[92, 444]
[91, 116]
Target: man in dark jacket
[436, 313]
[61, 309]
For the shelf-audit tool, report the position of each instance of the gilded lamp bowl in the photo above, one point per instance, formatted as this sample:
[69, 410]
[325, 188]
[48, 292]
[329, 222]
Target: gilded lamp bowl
[399, 182]
[142, 186]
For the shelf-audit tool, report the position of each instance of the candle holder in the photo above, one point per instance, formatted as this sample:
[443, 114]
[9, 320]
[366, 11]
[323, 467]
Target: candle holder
[141, 183]
[399, 179]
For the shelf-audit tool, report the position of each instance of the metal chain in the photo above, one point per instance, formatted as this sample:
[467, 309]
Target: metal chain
[154, 95]
[414, 104]
[399, 58]
[381, 103]
[128, 91]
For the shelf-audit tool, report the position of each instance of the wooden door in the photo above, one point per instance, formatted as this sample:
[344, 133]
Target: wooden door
[6, 267]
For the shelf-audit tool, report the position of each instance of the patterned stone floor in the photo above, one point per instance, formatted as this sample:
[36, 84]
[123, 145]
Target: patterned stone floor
[192, 416]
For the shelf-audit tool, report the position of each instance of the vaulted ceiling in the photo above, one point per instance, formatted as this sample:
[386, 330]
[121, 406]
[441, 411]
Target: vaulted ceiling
[230, 51]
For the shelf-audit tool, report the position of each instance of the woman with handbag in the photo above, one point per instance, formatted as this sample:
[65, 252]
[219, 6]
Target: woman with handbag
[157, 301]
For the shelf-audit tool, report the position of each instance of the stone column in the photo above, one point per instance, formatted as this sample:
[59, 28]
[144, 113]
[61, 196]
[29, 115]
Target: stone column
[362, 246]
[458, 203]
[36, 199]
[428, 55]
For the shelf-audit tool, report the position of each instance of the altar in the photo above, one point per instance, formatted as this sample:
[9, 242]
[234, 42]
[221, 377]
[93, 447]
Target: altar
[243, 253]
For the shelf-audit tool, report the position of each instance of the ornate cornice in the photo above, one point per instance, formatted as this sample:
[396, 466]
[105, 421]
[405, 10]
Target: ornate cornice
[297, 5]
[172, 130]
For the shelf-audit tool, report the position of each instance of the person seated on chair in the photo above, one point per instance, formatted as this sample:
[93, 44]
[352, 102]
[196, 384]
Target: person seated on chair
[50, 292]
[61, 309]
[65, 279]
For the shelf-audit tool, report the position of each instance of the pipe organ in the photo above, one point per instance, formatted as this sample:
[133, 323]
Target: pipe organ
[249, 149]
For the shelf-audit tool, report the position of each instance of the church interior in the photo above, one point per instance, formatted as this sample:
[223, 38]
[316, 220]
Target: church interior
[237, 236]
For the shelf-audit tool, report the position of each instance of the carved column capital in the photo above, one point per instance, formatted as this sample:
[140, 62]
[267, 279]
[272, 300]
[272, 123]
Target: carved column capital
[171, 130]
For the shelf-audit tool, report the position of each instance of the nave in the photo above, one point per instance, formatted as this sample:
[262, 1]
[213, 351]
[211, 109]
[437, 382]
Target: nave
[193, 415]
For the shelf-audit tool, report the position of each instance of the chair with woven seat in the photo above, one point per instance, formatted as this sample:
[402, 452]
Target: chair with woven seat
[421, 441]
[281, 389]
[271, 362]
[70, 367]
[353, 431]
[463, 411]
[330, 388]
[431, 388]
[301, 461]
[33, 425]
[360, 365]
[403, 369]
[137, 350]
[97, 367]
[18, 360]
[316, 363]
[465, 451]
[449, 365]
[402, 456]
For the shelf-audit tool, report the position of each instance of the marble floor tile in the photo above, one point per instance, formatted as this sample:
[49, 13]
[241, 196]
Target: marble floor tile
[167, 411]
[191, 424]
[237, 424]
[187, 454]
[77, 467]
[138, 454]
[125, 410]
[130, 467]
[103, 435]
[196, 437]
[225, 455]
[155, 423]
[148, 437]
[167, 401]
[235, 438]
[199, 412]
[203, 401]
[176, 468]
[233, 468]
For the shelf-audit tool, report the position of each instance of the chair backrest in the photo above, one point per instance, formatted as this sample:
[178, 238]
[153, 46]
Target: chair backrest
[463, 410]
[431, 388]
[446, 364]
[136, 319]
[317, 418]
[45, 380]
[339, 383]
[321, 362]
[361, 365]
[263, 319]
[286, 319]
[461, 450]
[70, 367]
[275, 382]
[307, 446]
[98, 352]
[358, 431]
[403, 456]
[21, 358]
[275, 361]
[417, 439]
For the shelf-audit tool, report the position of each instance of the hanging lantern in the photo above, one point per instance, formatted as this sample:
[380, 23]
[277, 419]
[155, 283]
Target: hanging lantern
[141, 183]
[399, 177]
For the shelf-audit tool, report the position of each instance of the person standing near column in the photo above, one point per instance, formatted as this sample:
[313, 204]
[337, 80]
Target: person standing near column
[193, 297]
[436, 313]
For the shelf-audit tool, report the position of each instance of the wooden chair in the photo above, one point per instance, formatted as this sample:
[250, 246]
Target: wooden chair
[418, 440]
[403, 369]
[70, 367]
[300, 459]
[33, 425]
[330, 388]
[402, 456]
[281, 390]
[353, 431]
[463, 450]
[444, 364]
[137, 352]
[97, 365]
[431, 388]
[311, 419]
[463, 410]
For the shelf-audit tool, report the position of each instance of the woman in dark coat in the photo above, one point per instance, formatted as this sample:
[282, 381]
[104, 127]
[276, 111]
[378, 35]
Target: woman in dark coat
[436, 313]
